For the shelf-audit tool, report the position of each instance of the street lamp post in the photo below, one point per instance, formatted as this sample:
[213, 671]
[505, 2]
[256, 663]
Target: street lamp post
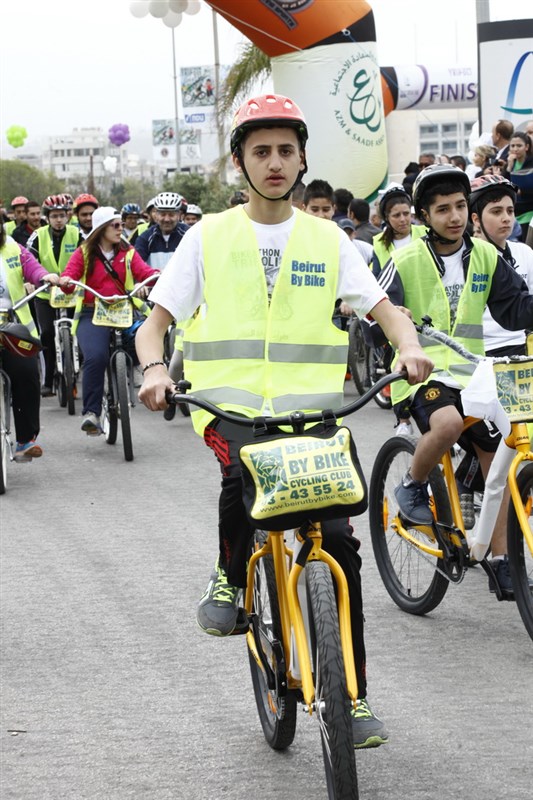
[176, 118]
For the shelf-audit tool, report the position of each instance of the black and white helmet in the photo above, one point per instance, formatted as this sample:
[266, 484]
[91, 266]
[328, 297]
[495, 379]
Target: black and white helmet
[434, 174]
[170, 201]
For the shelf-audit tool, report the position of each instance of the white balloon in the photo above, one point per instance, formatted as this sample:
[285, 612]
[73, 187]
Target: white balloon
[193, 7]
[171, 20]
[158, 8]
[177, 6]
[139, 8]
[110, 164]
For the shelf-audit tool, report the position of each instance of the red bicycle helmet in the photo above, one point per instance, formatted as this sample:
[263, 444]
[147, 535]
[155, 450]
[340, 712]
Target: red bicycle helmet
[16, 338]
[54, 202]
[19, 201]
[487, 183]
[269, 110]
[85, 200]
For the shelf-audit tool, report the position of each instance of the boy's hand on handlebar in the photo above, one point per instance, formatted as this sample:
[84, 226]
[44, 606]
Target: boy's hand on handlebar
[415, 362]
[152, 393]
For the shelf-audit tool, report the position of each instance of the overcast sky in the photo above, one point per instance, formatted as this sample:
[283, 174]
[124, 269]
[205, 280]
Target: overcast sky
[67, 64]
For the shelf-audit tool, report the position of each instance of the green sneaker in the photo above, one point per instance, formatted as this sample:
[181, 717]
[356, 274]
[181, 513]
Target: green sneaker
[218, 609]
[368, 730]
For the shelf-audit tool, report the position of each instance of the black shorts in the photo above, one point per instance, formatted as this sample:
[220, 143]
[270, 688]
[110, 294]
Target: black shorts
[434, 395]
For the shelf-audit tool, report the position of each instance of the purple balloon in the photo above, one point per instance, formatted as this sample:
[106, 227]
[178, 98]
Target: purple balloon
[119, 134]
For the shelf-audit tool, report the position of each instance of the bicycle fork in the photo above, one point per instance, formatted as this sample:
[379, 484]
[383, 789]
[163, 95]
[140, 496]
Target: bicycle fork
[292, 618]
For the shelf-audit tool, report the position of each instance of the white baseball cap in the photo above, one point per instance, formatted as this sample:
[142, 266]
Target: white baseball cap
[103, 216]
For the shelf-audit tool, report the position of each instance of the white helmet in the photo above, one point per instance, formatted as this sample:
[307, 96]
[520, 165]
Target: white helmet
[169, 201]
[192, 209]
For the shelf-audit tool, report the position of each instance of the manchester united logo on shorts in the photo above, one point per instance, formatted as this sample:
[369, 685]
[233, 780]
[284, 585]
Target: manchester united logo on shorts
[432, 394]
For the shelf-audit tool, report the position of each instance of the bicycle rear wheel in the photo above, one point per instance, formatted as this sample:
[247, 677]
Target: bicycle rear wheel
[357, 355]
[121, 370]
[410, 575]
[333, 704]
[68, 370]
[277, 713]
[376, 368]
[109, 410]
[4, 444]
[520, 557]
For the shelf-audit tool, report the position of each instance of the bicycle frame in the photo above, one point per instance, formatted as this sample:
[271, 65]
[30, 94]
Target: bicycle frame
[292, 618]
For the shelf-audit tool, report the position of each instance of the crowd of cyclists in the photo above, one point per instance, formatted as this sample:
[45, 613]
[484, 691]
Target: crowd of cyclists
[421, 246]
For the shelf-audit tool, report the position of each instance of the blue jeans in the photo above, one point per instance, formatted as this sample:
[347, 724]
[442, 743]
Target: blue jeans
[94, 343]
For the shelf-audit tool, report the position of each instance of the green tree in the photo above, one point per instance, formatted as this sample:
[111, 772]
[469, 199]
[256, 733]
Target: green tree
[253, 66]
[17, 178]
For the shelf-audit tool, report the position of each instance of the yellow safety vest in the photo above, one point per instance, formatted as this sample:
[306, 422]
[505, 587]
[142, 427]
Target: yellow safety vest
[15, 283]
[425, 295]
[383, 253]
[251, 356]
[69, 244]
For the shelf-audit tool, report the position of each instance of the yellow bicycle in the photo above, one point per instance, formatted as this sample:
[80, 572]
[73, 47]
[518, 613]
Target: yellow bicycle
[417, 563]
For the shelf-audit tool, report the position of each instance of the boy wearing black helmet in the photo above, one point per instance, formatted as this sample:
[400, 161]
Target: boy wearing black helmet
[267, 276]
[452, 279]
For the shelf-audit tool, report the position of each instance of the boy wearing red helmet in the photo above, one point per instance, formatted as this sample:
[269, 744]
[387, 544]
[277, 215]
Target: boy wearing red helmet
[257, 270]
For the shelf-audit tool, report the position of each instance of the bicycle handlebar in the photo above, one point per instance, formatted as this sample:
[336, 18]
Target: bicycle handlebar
[439, 336]
[112, 298]
[295, 419]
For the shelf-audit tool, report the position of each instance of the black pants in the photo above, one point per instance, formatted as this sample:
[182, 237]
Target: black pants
[46, 316]
[235, 532]
[26, 396]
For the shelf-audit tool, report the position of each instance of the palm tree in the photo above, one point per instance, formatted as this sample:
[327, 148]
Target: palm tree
[252, 66]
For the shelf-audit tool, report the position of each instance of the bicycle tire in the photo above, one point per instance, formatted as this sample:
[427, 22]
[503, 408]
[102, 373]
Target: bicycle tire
[357, 360]
[61, 389]
[409, 575]
[68, 370]
[109, 410]
[333, 704]
[276, 714]
[376, 370]
[4, 444]
[520, 558]
[121, 370]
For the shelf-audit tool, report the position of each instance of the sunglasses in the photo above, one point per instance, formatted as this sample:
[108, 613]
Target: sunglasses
[116, 225]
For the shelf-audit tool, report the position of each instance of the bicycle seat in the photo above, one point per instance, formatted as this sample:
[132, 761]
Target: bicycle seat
[16, 337]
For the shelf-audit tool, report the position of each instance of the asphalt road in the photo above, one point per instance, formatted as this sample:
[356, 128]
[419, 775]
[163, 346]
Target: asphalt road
[110, 690]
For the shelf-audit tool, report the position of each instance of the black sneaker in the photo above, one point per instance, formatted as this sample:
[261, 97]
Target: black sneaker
[368, 730]
[218, 609]
[500, 567]
[413, 500]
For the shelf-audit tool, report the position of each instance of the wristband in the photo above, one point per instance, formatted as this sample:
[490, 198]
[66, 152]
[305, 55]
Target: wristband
[153, 364]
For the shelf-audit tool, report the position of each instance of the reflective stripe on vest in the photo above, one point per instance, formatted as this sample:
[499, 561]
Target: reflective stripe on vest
[425, 295]
[247, 354]
[15, 283]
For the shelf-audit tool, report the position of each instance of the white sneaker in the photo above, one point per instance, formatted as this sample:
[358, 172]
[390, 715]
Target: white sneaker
[91, 424]
[404, 429]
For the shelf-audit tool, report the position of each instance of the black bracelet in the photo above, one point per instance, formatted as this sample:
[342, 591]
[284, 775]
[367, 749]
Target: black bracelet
[153, 364]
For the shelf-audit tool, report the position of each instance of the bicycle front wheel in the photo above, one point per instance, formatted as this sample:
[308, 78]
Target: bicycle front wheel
[357, 355]
[109, 409]
[410, 576]
[376, 369]
[121, 369]
[519, 554]
[68, 370]
[333, 704]
[277, 713]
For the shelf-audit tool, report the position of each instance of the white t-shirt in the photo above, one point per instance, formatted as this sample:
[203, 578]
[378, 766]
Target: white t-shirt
[399, 243]
[493, 334]
[180, 289]
[5, 297]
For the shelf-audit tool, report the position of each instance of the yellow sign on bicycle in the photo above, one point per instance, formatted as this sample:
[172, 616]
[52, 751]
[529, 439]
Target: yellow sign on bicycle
[113, 315]
[514, 383]
[58, 298]
[317, 476]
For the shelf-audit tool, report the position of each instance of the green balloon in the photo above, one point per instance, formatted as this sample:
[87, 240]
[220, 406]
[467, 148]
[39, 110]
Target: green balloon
[16, 135]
